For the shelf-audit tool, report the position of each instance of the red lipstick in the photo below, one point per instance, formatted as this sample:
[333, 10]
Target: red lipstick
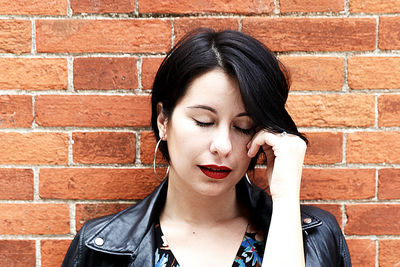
[214, 171]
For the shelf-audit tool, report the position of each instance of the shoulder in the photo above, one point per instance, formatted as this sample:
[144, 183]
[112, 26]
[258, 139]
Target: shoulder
[324, 242]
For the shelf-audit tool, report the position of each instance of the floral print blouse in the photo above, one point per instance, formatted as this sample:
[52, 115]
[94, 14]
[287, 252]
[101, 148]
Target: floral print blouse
[250, 252]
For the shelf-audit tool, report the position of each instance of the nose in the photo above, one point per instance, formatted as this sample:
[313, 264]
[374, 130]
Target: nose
[221, 143]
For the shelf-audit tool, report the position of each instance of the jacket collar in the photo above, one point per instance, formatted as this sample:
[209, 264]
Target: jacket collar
[124, 232]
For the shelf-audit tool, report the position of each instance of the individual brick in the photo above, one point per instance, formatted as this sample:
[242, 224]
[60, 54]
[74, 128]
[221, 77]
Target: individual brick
[389, 110]
[337, 184]
[29, 7]
[311, 6]
[90, 36]
[15, 36]
[147, 146]
[362, 252]
[324, 148]
[33, 148]
[104, 147]
[388, 32]
[313, 34]
[185, 25]
[322, 110]
[92, 110]
[96, 183]
[53, 252]
[34, 219]
[16, 184]
[373, 72]
[374, 6]
[389, 184]
[17, 253]
[150, 66]
[373, 219]
[37, 73]
[102, 6]
[389, 252]
[85, 212]
[16, 111]
[105, 73]
[314, 73]
[206, 6]
[373, 147]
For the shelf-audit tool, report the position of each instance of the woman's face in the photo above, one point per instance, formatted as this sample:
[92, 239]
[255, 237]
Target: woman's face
[207, 135]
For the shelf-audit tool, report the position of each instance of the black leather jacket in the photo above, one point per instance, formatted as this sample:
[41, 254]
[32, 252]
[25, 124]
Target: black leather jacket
[127, 238]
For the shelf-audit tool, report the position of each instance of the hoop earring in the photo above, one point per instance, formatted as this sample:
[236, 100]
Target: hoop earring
[154, 162]
[248, 179]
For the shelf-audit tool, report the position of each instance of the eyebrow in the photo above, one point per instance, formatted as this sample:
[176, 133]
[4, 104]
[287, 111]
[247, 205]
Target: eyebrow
[215, 112]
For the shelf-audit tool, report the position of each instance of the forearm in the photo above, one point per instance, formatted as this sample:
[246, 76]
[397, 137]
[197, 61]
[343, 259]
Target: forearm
[284, 246]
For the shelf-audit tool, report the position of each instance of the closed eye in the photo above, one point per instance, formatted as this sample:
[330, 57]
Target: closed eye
[245, 131]
[203, 124]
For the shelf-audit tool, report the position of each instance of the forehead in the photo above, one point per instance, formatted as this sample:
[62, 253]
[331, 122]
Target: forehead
[214, 88]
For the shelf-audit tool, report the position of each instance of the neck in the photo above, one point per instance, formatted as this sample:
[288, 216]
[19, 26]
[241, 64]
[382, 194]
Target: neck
[190, 207]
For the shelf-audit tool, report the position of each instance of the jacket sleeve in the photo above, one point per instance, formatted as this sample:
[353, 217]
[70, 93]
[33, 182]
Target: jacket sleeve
[325, 244]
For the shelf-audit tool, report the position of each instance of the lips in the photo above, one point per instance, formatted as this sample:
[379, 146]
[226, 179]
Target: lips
[214, 171]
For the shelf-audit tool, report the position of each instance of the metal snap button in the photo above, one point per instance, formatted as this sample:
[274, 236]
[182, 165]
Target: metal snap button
[307, 220]
[99, 241]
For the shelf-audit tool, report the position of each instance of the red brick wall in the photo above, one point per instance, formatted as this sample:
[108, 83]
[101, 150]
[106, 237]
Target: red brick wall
[75, 140]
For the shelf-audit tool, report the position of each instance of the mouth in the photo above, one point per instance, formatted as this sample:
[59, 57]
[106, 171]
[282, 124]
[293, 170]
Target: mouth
[214, 171]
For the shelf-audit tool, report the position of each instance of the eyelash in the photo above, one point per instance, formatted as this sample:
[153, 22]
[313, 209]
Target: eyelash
[206, 124]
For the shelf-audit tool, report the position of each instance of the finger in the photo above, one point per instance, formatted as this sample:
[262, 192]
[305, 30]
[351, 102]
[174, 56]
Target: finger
[260, 139]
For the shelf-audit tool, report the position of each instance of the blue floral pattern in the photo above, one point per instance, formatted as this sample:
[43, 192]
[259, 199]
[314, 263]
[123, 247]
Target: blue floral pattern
[249, 254]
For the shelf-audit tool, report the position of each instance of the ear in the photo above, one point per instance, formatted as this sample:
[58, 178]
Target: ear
[162, 122]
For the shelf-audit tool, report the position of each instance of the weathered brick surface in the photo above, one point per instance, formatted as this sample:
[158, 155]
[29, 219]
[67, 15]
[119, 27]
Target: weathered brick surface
[389, 184]
[362, 252]
[104, 147]
[75, 139]
[92, 110]
[53, 252]
[15, 36]
[147, 146]
[149, 70]
[373, 72]
[35, 7]
[85, 212]
[323, 110]
[16, 184]
[373, 219]
[389, 252]
[185, 25]
[33, 148]
[338, 184]
[17, 253]
[80, 36]
[389, 110]
[314, 73]
[313, 34]
[44, 219]
[15, 111]
[37, 73]
[374, 6]
[373, 147]
[206, 6]
[96, 183]
[388, 32]
[324, 148]
[105, 73]
[102, 6]
[311, 6]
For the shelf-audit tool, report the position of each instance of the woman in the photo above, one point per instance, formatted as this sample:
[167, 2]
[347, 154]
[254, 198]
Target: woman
[218, 101]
